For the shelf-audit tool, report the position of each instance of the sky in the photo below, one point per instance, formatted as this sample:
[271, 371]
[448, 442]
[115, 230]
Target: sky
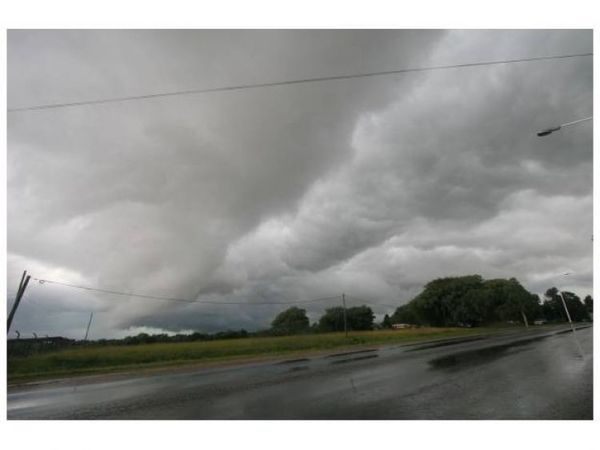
[370, 187]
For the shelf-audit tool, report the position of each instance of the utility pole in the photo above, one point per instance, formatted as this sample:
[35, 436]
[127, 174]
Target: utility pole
[22, 286]
[345, 319]
[571, 323]
[88, 327]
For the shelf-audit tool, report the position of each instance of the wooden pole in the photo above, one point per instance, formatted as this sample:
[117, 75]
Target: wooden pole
[22, 280]
[20, 293]
[345, 319]
[88, 327]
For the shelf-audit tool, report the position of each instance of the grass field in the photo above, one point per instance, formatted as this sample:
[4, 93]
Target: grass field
[106, 359]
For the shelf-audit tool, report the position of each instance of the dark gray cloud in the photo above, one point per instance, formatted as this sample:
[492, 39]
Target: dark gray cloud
[369, 187]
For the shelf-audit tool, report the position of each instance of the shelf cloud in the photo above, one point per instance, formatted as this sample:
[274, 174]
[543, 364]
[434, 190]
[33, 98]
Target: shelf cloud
[371, 187]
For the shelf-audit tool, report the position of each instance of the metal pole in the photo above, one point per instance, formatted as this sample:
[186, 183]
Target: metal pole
[20, 293]
[571, 323]
[559, 127]
[345, 319]
[88, 327]
[575, 121]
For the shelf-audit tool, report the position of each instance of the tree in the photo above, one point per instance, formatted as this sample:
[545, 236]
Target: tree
[468, 301]
[553, 309]
[332, 320]
[577, 309]
[589, 304]
[438, 304]
[386, 322]
[358, 318]
[519, 304]
[290, 321]
[406, 314]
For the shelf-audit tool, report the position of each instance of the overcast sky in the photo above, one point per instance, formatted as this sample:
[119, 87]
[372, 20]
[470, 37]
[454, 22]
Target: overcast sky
[371, 187]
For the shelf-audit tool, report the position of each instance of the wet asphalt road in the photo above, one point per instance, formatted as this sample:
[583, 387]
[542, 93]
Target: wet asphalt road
[533, 375]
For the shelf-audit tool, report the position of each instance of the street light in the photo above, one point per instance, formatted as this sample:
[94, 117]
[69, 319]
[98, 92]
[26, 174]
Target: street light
[569, 317]
[552, 130]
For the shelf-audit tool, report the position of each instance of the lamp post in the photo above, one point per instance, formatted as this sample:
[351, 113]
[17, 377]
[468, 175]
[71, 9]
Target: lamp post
[569, 318]
[553, 129]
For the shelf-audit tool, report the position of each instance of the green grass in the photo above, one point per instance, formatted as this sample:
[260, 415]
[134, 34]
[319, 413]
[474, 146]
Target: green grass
[106, 359]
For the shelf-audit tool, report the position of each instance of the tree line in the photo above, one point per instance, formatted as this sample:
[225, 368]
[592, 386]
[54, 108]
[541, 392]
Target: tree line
[473, 301]
[294, 320]
[467, 301]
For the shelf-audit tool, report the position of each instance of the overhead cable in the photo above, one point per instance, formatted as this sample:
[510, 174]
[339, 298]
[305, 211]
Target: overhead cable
[285, 83]
[175, 299]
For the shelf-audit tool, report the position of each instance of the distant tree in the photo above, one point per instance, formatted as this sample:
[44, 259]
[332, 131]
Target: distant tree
[518, 304]
[230, 334]
[290, 321]
[332, 320]
[577, 309]
[589, 304]
[468, 301]
[553, 309]
[443, 302]
[406, 314]
[386, 322]
[358, 318]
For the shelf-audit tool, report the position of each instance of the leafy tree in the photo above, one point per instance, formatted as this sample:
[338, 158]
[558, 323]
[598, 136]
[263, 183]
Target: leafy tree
[589, 304]
[358, 318]
[406, 314]
[443, 302]
[468, 301]
[332, 320]
[519, 304]
[553, 309]
[577, 309]
[290, 321]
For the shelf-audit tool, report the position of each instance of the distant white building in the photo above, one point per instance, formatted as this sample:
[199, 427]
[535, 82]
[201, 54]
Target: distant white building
[400, 326]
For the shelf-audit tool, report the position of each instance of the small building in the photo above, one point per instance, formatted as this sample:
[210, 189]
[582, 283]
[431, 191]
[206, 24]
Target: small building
[401, 326]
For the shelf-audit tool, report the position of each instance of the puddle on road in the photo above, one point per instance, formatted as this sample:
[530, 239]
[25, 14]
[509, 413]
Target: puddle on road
[354, 352]
[446, 343]
[359, 358]
[292, 361]
[570, 331]
[298, 368]
[481, 356]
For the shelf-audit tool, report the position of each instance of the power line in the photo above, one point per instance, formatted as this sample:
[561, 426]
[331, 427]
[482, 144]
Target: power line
[369, 302]
[286, 83]
[175, 299]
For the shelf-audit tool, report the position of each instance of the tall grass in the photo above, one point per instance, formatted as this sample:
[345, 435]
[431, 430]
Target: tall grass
[99, 359]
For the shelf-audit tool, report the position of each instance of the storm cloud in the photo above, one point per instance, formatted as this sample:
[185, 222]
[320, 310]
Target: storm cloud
[370, 187]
